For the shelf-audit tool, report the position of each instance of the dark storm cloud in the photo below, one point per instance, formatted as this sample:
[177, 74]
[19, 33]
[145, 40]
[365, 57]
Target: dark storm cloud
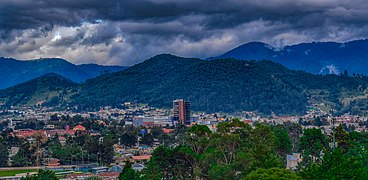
[126, 31]
[22, 14]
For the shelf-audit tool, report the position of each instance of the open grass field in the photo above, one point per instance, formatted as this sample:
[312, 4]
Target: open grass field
[14, 172]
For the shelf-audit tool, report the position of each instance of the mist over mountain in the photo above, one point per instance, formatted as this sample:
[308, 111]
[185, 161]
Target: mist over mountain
[14, 71]
[316, 57]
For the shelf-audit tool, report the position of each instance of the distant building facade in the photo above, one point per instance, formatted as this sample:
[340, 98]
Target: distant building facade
[181, 110]
[149, 122]
[292, 160]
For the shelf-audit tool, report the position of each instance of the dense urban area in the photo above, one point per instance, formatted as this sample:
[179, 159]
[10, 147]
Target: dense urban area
[138, 141]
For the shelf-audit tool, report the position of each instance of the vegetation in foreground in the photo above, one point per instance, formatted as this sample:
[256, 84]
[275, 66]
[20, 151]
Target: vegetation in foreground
[235, 151]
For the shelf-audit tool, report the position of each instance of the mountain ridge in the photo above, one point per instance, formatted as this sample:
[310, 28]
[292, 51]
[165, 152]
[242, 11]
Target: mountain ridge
[312, 57]
[14, 71]
[222, 85]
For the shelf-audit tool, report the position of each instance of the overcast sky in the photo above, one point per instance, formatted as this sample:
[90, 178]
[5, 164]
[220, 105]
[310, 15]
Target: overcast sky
[125, 32]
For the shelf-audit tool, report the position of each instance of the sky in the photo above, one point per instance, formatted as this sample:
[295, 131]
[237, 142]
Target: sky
[126, 32]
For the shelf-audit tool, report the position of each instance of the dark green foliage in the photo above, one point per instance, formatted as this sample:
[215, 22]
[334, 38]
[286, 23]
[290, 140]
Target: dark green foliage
[42, 175]
[264, 148]
[3, 153]
[107, 149]
[349, 160]
[157, 132]
[219, 85]
[312, 143]
[339, 165]
[295, 132]
[128, 173]
[232, 152]
[283, 142]
[273, 173]
[223, 85]
[24, 155]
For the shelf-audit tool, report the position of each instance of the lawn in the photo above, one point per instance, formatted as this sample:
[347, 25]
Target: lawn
[14, 172]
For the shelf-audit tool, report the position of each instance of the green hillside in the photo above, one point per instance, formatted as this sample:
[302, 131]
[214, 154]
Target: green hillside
[224, 85]
[48, 90]
[220, 85]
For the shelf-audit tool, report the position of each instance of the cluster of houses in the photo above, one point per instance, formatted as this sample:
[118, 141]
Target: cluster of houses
[148, 117]
[29, 134]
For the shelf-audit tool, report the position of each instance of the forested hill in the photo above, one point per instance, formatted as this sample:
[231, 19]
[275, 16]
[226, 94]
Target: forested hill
[316, 57]
[50, 89]
[220, 85]
[225, 85]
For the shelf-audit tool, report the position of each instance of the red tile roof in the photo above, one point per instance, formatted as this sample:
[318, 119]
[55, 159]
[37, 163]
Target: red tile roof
[108, 174]
[143, 157]
[79, 128]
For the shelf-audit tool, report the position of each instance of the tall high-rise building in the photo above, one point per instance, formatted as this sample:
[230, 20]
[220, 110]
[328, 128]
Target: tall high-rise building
[181, 110]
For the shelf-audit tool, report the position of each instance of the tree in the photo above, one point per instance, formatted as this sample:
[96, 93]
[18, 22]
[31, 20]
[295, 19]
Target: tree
[359, 139]
[346, 74]
[263, 148]
[334, 166]
[311, 145]
[197, 144]
[318, 122]
[42, 175]
[295, 132]
[161, 164]
[223, 155]
[107, 149]
[273, 173]
[55, 140]
[342, 138]
[128, 173]
[40, 140]
[157, 132]
[153, 171]
[230, 151]
[221, 171]
[283, 142]
[147, 139]
[3, 153]
[23, 157]
[54, 117]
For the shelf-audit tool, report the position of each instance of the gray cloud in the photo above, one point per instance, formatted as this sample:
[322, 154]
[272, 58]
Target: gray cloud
[126, 32]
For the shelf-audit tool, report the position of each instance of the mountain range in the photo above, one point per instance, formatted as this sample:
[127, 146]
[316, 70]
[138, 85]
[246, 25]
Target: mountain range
[222, 85]
[316, 57]
[14, 71]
